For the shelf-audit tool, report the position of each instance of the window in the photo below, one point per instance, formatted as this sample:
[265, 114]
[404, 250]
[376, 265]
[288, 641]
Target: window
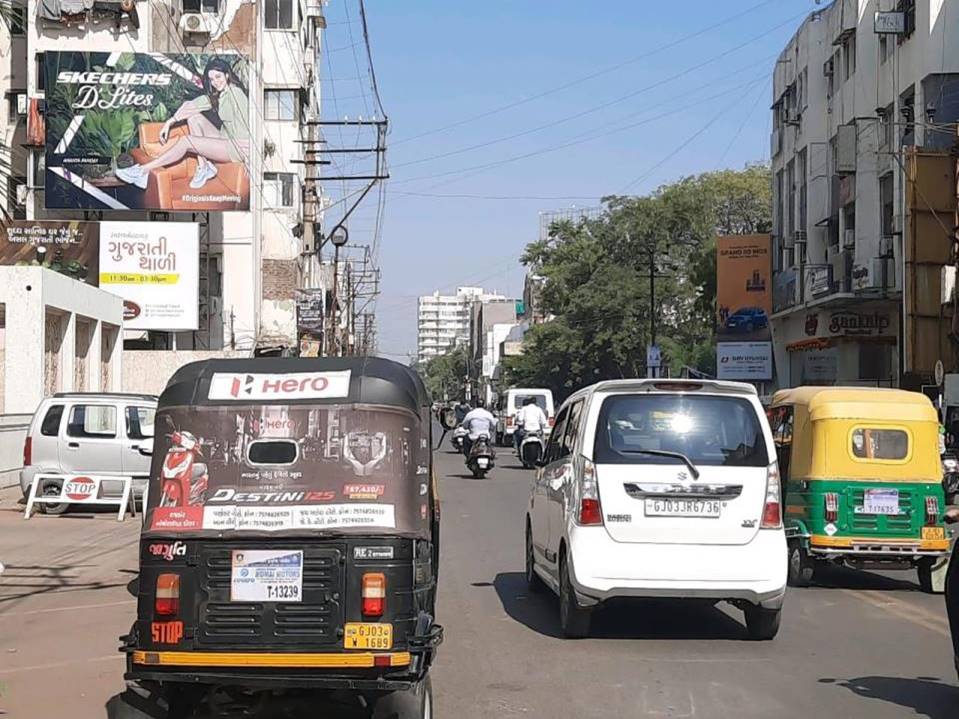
[709, 430]
[140, 422]
[38, 167]
[883, 48]
[51, 421]
[873, 443]
[875, 363]
[279, 15]
[887, 203]
[908, 7]
[15, 206]
[791, 198]
[849, 57]
[778, 219]
[275, 451]
[278, 189]
[41, 71]
[18, 20]
[553, 450]
[571, 433]
[802, 189]
[208, 6]
[280, 104]
[93, 420]
[781, 422]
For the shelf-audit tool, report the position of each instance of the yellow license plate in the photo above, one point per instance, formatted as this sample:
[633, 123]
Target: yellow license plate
[368, 636]
[933, 533]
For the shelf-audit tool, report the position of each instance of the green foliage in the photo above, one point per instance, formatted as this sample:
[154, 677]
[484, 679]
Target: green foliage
[445, 375]
[597, 281]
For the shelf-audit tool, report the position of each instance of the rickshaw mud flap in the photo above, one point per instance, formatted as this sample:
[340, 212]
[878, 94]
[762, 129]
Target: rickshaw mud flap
[276, 680]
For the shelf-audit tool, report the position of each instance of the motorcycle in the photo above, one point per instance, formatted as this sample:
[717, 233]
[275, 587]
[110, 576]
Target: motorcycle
[457, 440]
[531, 449]
[184, 479]
[481, 457]
[950, 476]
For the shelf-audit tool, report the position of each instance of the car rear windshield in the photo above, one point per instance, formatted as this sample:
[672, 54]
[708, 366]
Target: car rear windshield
[520, 399]
[708, 429]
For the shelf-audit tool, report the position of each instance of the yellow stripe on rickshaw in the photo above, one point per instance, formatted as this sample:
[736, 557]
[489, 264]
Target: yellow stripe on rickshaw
[364, 660]
[821, 540]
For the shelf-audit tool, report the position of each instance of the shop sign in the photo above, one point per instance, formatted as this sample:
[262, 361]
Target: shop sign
[858, 323]
[749, 361]
[861, 277]
[820, 366]
[819, 280]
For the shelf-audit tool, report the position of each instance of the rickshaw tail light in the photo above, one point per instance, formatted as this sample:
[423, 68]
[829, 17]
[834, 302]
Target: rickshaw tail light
[167, 600]
[831, 502]
[932, 510]
[772, 510]
[374, 594]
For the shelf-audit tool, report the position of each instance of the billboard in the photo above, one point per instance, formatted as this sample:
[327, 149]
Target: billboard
[153, 266]
[150, 131]
[743, 288]
[744, 361]
[70, 248]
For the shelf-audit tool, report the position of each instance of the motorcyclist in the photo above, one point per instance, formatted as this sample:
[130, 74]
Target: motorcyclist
[462, 409]
[529, 419]
[478, 422]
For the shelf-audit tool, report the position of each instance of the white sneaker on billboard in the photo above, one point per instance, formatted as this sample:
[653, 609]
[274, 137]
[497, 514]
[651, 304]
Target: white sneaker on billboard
[204, 173]
[133, 175]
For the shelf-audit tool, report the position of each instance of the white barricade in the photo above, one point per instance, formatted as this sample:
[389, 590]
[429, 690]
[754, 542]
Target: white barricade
[82, 489]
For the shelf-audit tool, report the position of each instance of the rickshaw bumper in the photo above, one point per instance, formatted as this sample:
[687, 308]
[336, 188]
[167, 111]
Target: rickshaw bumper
[864, 547]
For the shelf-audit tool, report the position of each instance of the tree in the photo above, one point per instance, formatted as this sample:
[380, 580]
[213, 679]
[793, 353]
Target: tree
[445, 374]
[597, 281]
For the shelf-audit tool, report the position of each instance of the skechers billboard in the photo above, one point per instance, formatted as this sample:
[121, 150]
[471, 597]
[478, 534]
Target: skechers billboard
[132, 131]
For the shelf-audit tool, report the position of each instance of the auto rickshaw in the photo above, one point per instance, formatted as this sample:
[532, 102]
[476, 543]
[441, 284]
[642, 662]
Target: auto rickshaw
[862, 482]
[310, 560]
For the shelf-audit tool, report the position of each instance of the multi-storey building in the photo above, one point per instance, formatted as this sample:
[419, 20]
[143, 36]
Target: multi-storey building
[443, 321]
[864, 113]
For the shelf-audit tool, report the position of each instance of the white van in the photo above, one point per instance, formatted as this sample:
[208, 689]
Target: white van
[511, 402]
[659, 488]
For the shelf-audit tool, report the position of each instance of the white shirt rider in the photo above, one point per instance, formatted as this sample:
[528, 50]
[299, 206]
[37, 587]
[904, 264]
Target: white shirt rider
[480, 421]
[531, 418]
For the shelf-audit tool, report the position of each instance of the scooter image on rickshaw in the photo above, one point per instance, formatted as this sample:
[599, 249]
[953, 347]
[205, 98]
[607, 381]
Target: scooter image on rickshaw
[301, 556]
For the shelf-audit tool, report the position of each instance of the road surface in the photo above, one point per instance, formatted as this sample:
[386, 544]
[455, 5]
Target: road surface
[863, 646]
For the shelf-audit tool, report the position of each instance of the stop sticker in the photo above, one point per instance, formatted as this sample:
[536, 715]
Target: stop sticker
[79, 488]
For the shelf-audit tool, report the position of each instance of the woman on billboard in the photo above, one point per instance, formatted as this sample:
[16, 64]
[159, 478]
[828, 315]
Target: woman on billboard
[225, 104]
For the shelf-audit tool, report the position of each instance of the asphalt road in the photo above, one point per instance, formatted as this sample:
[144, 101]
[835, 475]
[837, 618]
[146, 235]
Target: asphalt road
[863, 646]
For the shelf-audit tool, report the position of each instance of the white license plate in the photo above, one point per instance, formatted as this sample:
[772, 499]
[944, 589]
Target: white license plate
[881, 501]
[266, 576]
[682, 507]
[482, 462]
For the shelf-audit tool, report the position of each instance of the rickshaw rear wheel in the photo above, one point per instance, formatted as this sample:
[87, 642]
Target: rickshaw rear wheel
[417, 703]
[801, 566]
[761, 623]
[924, 572]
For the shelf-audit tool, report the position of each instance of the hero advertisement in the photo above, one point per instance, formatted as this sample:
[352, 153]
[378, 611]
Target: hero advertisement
[281, 468]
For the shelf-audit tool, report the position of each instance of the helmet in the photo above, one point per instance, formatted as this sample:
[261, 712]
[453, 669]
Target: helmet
[480, 403]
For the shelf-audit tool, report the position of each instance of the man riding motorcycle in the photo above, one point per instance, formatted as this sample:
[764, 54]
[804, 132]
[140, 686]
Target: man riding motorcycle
[529, 418]
[478, 422]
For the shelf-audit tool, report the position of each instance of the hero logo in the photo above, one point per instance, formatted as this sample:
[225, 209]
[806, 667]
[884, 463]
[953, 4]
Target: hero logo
[168, 551]
[79, 488]
[294, 385]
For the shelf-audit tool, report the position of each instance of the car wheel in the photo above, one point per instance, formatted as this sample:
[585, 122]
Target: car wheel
[533, 581]
[924, 573]
[573, 619]
[761, 623]
[416, 703]
[51, 488]
[801, 567]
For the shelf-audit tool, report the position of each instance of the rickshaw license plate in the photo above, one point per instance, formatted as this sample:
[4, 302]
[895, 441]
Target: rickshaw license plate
[881, 501]
[360, 635]
[933, 533]
[682, 508]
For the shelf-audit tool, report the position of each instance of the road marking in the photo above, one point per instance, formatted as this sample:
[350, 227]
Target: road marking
[56, 665]
[68, 609]
[904, 610]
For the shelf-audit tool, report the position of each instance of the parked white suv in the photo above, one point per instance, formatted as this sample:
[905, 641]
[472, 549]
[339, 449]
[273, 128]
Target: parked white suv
[89, 432]
[659, 488]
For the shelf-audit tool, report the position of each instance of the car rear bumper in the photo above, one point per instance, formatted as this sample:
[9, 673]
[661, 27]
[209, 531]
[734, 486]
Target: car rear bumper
[603, 569]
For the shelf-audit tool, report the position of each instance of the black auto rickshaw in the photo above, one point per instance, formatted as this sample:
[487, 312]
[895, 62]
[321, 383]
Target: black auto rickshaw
[304, 553]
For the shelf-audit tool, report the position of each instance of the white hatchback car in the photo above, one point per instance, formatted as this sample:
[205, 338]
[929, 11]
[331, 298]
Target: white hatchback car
[659, 488]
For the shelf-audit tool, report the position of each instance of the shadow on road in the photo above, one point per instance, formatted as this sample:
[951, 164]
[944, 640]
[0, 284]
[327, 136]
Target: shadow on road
[620, 619]
[20, 581]
[833, 577]
[926, 696]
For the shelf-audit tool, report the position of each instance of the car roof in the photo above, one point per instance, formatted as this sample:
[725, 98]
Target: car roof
[712, 386]
[104, 395]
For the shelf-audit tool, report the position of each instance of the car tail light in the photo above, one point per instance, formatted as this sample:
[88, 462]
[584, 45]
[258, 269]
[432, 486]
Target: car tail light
[167, 600]
[831, 506]
[590, 510]
[932, 510]
[28, 451]
[772, 510]
[374, 594]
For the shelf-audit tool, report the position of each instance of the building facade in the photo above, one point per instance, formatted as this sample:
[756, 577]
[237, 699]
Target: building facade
[443, 321]
[864, 112]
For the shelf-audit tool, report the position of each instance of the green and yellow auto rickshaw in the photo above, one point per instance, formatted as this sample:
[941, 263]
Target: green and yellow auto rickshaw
[862, 480]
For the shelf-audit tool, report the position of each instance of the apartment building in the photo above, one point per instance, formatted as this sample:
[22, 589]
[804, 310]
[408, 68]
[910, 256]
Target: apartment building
[865, 104]
[251, 259]
[443, 321]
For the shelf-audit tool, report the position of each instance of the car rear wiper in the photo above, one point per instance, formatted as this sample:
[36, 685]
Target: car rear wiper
[663, 453]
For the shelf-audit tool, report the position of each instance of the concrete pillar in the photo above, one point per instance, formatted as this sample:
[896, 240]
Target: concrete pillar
[68, 352]
[94, 375]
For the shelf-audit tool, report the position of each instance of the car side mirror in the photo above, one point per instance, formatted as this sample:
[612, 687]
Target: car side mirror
[448, 419]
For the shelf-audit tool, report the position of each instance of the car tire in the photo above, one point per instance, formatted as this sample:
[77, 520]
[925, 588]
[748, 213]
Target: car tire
[416, 703]
[51, 487]
[574, 620]
[761, 623]
[801, 567]
[533, 581]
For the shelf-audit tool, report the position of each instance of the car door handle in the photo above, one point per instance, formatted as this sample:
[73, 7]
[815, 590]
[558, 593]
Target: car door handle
[73, 445]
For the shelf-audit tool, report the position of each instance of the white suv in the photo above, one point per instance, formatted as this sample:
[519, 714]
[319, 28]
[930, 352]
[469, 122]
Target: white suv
[659, 488]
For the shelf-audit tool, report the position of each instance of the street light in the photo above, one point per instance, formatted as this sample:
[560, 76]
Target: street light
[339, 237]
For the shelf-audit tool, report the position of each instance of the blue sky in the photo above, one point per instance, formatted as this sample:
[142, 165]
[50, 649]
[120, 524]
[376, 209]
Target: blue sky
[648, 116]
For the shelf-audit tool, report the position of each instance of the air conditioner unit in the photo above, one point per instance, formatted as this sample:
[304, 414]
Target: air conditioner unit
[22, 103]
[793, 116]
[848, 238]
[199, 23]
[827, 68]
[887, 246]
